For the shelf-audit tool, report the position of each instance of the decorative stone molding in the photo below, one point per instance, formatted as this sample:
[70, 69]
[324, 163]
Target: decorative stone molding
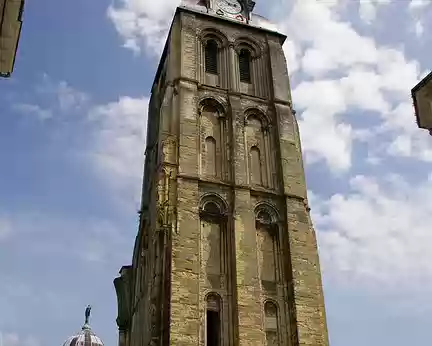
[213, 207]
[213, 101]
[211, 33]
[257, 112]
[249, 44]
[266, 216]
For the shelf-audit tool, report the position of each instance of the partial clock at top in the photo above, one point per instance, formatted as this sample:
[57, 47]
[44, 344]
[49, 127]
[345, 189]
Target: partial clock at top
[229, 6]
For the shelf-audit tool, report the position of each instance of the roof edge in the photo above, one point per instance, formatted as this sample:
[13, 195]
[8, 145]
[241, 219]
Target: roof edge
[422, 83]
[282, 37]
[414, 91]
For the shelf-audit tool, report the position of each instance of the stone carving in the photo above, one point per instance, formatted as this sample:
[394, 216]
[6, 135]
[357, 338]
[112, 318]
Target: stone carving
[87, 314]
[165, 209]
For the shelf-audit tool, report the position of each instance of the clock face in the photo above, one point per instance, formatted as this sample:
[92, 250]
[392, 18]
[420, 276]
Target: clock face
[229, 6]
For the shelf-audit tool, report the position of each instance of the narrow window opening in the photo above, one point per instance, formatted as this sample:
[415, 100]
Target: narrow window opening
[245, 66]
[211, 57]
[213, 321]
[211, 157]
[213, 327]
[271, 324]
[256, 166]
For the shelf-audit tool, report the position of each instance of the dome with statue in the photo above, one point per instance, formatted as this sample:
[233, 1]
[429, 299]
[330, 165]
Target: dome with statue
[85, 337]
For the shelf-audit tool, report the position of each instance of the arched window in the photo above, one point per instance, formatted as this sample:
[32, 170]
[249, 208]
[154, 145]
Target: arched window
[213, 320]
[211, 57]
[245, 59]
[271, 324]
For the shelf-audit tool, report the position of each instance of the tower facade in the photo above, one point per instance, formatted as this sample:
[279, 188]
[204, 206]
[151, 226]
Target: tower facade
[226, 253]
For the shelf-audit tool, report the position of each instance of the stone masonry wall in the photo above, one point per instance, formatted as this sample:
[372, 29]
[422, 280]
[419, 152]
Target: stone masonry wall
[295, 314]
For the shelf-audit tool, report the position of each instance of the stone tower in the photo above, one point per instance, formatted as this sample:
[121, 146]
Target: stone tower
[225, 254]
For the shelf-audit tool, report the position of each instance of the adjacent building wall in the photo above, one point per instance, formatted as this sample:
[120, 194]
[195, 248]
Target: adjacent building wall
[10, 29]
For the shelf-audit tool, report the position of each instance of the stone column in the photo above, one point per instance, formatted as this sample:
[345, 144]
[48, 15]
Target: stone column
[233, 75]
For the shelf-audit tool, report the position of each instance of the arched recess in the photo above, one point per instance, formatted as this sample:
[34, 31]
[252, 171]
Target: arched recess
[268, 243]
[213, 140]
[212, 58]
[271, 323]
[260, 148]
[213, 239]
[216, 259]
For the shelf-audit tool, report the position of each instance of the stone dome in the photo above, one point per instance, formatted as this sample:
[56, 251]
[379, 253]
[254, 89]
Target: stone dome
[85, 337]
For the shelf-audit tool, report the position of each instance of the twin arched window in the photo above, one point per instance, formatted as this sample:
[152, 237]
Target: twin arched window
[211, 60]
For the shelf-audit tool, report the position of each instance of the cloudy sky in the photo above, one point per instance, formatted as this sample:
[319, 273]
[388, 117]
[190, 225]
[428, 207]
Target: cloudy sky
[71, 146]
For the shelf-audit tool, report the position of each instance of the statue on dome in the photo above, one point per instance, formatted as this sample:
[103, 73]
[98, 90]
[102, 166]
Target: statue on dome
[87, 314]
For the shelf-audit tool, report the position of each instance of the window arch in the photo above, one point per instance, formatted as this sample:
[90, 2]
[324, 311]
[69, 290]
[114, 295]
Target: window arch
[271, 323]
[264, 217]
[217, 246]
[213, 320]
[245, 62]
[213, 239]
[268, 247]
[259, 143]
[250, 66]
[212, 205]
[256, 169]
[212, 61]
[211, 50]
[213, 139]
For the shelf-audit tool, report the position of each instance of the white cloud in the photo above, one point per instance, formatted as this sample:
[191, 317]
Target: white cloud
[53, 99]
[365, 77]
[378, 232]
[117, 151]
[63, 97]
[323, 101]
[70, 98]
[418, 4]
[368, 9]
[143, 23]
[35, 110]
[13, 339]
[417, 10]
[418, 28]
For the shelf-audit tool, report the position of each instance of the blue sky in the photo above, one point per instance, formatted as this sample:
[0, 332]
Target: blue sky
[71, 148]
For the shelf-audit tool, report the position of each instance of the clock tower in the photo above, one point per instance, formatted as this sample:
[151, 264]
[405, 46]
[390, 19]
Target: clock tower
[226, 253]
[233, 9]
